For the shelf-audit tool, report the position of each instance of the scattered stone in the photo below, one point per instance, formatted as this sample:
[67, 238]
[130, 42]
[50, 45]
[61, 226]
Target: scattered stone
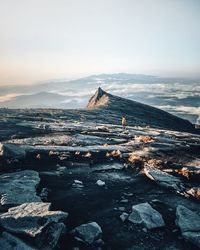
[88, 155]
[19, 187]
[100, 183]
[128, 194]
[30, 218]
[121, 209]
[123, 216]
[124, 201]
[189, 224]
[144, 230]
[38, 156]
[144, 214]
[88, 233]
[10, 242]
[77, 184]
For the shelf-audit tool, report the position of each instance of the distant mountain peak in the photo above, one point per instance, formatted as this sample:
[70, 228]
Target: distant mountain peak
[100, 98]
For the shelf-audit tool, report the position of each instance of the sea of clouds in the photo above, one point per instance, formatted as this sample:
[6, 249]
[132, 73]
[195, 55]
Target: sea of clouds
[181, 98]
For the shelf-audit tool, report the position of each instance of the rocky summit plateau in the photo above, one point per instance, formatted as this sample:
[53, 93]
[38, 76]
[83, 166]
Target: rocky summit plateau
[75, 179]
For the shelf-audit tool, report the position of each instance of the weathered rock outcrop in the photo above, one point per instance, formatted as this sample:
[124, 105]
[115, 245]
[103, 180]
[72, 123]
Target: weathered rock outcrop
[145, 215]
[19, 187]
[30, 218]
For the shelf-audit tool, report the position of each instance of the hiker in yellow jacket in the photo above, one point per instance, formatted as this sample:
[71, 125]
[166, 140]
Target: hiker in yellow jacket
[124, 122]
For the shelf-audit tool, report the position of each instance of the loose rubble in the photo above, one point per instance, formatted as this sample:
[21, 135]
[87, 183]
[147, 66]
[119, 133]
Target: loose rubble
[123, 216]
[100, 183]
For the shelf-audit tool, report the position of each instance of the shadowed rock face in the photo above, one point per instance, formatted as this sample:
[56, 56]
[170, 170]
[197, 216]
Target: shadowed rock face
[137, 113]
[10, 242]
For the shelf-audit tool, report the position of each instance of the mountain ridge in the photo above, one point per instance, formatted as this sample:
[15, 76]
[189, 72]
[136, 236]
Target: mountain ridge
[137, 112]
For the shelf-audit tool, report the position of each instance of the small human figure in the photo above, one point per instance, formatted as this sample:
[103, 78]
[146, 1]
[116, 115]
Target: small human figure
[124, 122]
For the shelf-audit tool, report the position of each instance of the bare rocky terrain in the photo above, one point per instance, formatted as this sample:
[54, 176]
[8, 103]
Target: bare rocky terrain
[74, 179]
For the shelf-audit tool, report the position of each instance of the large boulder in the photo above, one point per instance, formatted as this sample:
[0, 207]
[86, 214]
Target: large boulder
[145, 215]
[187, 220]
[10, 242]
[189, 224]
[88, 233]
[8, 150]
[18, 188]
[30, 218]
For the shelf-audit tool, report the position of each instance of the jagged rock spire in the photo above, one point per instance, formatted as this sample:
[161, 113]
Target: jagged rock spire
[95, 99]
[99, 93]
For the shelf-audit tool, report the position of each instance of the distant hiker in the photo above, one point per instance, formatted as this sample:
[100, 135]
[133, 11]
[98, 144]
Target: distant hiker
[124, 122]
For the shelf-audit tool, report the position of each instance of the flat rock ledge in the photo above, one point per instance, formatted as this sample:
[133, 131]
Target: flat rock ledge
[30, 218]
[163, 179]
[189, 224]
[145, 215]
[18, 188]
[12, 151]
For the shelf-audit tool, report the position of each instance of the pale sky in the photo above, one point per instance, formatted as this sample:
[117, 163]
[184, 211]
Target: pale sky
[45, 39]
